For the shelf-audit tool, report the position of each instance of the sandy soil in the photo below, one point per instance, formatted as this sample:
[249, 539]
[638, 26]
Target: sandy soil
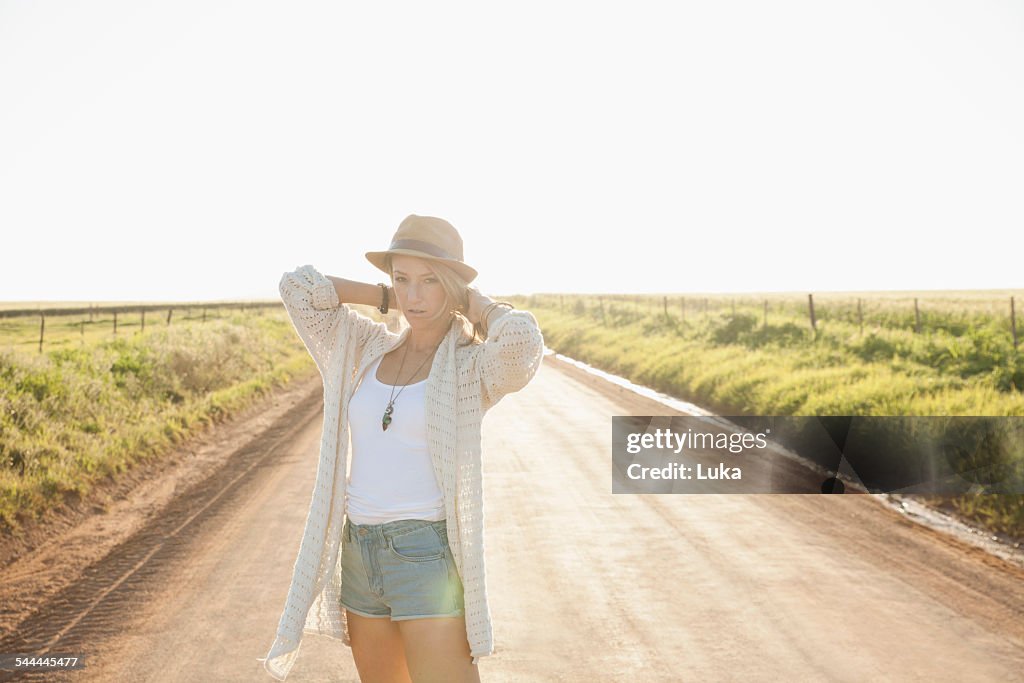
[183, 579]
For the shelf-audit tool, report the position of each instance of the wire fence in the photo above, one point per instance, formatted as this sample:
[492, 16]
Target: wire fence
[918, 314]
[15, 322]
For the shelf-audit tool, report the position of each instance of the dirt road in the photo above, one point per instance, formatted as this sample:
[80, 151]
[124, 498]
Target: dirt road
[584, 585]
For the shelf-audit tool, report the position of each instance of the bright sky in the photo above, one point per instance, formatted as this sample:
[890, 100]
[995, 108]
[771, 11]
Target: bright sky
[196, 150]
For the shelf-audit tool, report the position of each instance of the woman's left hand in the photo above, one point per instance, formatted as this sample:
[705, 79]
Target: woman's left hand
[477, 303]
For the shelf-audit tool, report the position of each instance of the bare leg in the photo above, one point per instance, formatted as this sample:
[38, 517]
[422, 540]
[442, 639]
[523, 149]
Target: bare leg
[377, 649]
[436, 650]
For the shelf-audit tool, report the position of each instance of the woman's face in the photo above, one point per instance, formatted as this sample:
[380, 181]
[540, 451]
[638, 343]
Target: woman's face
[421, 296]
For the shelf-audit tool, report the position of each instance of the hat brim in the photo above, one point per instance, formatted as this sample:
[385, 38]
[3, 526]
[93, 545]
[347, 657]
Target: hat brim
[379, 260]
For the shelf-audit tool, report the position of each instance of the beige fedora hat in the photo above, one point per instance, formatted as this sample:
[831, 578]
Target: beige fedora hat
[426, 237]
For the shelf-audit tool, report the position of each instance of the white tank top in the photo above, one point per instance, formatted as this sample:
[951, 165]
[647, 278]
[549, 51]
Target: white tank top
[392, 476]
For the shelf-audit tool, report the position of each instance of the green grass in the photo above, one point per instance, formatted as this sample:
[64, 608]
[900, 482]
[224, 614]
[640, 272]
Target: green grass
[962, 362]
[89, 408]
[21, 333]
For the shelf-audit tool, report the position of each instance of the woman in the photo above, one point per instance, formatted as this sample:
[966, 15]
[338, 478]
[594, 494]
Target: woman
[391, 559]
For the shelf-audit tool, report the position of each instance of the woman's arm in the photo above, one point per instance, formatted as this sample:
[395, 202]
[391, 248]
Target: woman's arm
[319, 316]
[353, 292]
[480, 302]
[512, 353]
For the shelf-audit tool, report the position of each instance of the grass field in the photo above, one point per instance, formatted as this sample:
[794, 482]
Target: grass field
[961, 362]
[92, 404]
[21, 333]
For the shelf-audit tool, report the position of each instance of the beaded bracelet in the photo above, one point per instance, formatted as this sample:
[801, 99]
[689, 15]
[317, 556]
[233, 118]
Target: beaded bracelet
[487, 311]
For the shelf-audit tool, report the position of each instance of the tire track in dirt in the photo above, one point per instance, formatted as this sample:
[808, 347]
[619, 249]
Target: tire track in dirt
[112, 594]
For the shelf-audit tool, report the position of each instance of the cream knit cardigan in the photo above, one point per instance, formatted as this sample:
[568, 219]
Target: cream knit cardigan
[463, 384]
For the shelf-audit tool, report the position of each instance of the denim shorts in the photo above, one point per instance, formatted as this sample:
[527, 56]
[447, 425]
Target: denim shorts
[402, 569]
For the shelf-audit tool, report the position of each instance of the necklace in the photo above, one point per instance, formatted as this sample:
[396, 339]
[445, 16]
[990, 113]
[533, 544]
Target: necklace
[386, 420]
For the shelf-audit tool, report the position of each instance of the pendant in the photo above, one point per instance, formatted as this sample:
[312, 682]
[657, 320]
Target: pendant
[387, 417]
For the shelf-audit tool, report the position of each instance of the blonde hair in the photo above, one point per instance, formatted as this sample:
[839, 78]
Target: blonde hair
[455, 289]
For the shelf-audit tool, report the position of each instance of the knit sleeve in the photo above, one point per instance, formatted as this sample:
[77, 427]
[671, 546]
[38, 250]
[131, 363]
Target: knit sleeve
[510, 356]
[320, 317]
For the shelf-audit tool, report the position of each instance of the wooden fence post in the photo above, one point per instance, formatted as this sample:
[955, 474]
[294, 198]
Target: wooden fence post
[81, 328]
[917, 317]
[42, 327]
[1013, 322]
[665, 305]
[143, 321]
[204, 315]
[169, 312]
[810, 307]
[115, 323]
